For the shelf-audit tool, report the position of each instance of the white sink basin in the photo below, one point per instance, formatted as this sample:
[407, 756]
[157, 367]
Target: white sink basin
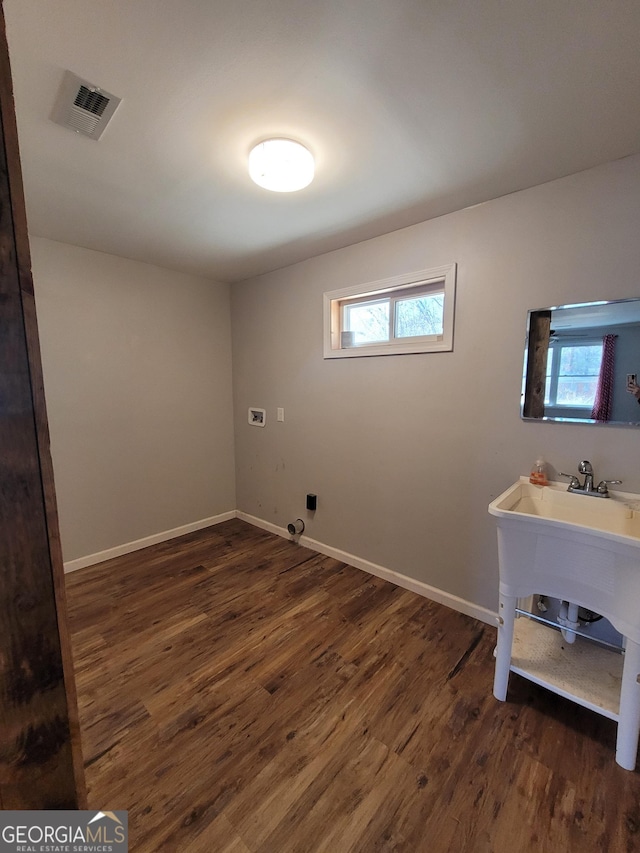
[584, 550]
[617, 516]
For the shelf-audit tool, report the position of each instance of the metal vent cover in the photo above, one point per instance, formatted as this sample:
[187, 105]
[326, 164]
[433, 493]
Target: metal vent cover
[83, 107]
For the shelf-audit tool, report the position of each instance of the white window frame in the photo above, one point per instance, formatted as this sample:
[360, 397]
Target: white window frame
[399, 287]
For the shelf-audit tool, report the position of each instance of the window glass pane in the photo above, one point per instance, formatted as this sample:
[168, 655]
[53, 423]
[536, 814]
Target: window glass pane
[551, 355]
[578, 375]
[420, 315]
[368, 321]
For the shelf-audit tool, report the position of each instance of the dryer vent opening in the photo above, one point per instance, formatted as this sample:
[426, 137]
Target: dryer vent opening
[296, 527]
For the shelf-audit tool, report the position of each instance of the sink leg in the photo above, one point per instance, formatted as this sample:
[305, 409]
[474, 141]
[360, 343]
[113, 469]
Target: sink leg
[629, 721]
[506, 618]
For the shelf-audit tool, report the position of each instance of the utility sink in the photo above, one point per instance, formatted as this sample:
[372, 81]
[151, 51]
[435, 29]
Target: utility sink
[580, 549]
[618, 515]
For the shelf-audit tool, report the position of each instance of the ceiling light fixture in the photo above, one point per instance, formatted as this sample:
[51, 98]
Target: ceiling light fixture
[281, 165]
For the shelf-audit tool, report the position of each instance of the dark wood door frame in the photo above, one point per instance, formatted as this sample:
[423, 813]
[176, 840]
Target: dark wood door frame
[40, 754]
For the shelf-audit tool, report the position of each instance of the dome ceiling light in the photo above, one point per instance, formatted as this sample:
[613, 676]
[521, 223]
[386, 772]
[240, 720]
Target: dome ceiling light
[281, 165]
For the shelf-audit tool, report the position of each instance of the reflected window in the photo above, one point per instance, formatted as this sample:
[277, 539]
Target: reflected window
[573, 368]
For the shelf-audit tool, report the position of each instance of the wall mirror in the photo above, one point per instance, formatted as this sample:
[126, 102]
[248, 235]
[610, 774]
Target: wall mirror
[579, 362]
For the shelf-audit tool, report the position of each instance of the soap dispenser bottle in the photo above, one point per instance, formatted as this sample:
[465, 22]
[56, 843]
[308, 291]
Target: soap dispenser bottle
[538, 474]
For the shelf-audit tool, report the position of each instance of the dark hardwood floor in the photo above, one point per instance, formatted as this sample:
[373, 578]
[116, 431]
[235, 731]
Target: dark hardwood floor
[241, 694]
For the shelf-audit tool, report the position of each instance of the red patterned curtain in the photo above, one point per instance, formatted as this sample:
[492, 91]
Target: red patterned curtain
[604, 394]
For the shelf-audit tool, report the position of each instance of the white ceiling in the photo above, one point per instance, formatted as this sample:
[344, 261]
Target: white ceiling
[597, 315]
[413, 108]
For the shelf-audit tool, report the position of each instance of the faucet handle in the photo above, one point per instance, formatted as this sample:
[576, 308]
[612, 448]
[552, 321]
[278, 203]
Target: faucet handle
[574, 483]
[602, 486]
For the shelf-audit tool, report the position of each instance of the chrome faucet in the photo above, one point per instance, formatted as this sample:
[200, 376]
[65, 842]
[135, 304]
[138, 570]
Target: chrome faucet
[586, 468]
[587, 488]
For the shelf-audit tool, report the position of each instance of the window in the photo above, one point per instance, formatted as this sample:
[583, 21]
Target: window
[573, 367]
[406, 314]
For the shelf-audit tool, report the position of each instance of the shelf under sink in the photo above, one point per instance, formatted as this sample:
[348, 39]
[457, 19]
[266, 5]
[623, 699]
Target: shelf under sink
[582, 671]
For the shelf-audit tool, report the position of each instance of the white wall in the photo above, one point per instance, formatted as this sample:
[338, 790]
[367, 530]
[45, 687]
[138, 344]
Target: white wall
[137, 371]
[406, 452]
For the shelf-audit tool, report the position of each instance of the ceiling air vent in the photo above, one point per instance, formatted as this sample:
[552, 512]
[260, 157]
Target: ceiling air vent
[83, 107]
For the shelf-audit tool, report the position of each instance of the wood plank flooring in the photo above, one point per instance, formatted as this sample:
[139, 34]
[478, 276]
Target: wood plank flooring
[241, 694]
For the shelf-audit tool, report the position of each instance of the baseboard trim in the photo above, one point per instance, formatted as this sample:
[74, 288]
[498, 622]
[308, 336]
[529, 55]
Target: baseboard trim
[138, 544]
[430, 592]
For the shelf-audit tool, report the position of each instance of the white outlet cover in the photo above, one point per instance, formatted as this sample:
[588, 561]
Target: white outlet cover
[257, 417]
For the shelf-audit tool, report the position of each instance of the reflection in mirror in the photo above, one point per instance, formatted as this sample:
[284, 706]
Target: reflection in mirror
[582, 363]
